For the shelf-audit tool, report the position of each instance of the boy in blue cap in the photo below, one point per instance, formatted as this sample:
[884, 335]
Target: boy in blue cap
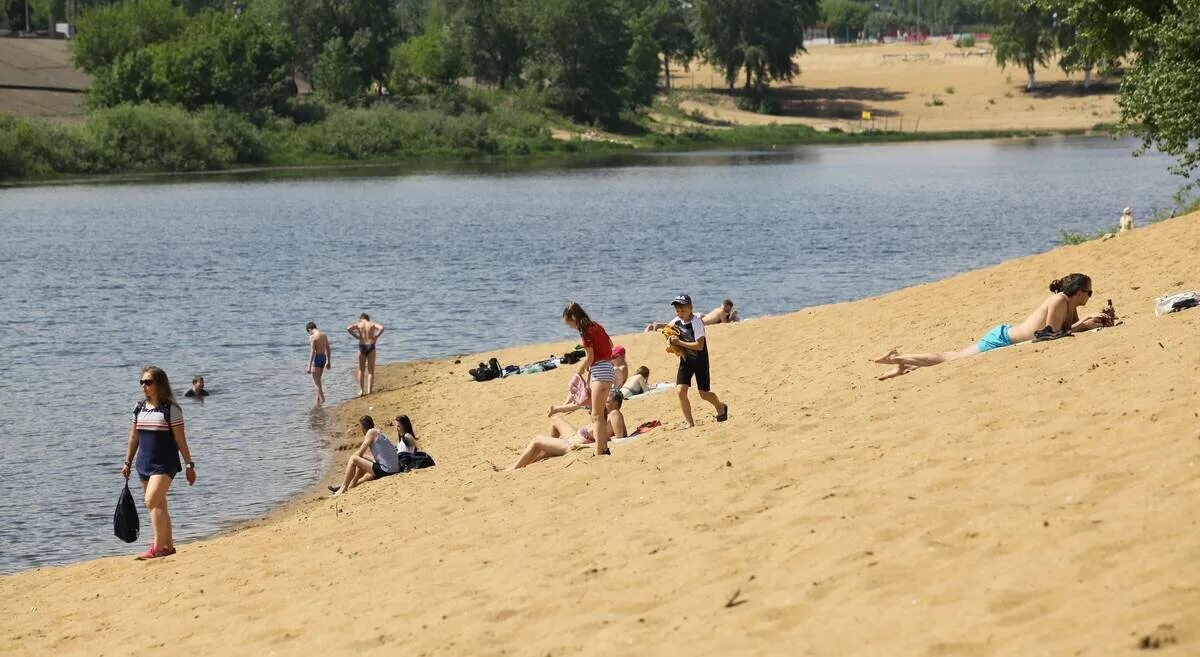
[694, 361]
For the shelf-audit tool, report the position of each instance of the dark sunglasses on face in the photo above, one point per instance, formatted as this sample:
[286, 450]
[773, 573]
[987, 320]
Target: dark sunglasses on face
[146, 382]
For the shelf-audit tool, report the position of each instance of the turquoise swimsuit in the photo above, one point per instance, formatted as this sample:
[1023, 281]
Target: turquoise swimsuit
[995, 338]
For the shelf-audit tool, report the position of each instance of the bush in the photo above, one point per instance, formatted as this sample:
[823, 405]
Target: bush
[965, 41]
[153, 137]
[233, 131]
[32, 148]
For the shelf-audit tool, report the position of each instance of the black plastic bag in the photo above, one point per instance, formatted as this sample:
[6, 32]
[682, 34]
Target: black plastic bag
[125, 518]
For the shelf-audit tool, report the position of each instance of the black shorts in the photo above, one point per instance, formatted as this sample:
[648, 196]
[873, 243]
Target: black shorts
[379, 472]
[689, 367]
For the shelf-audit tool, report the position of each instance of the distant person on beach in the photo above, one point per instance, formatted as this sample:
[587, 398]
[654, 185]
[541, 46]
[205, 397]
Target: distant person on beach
[197, 389]
[620, 367]
[563, 437]
[157, 440]
[1126, 221]
[367, 333]
[637, 384]
[694, 361]
[384, 460]
[596, 367]
[1059, 313]
[723, 314]
[320, 358]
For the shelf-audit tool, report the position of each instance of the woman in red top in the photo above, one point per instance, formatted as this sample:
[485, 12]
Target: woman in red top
[596, 368]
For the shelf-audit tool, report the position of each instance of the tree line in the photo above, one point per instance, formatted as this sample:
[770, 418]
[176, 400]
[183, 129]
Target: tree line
[589, 59]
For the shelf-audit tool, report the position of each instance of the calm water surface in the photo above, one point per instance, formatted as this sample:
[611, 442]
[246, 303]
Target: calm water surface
[218, 277]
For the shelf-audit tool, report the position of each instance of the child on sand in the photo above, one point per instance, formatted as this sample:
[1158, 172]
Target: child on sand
[694, 361]
[596, 367]
[320, 358]
[1059, 312]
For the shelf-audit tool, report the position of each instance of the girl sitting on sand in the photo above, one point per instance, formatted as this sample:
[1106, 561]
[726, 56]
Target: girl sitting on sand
[564, 437]
[384, 459]
[596, 367]
[1059, 312]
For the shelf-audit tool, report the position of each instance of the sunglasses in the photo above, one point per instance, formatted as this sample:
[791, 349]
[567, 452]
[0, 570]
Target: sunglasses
[146, 382]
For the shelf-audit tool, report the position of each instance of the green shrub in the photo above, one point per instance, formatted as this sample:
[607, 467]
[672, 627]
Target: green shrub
[965, 41]
[153, 138]
[33, 148]
[235, 132]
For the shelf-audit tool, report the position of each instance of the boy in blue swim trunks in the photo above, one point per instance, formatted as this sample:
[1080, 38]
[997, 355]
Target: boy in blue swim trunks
[1058, 312]
[319, 358]
[368, 333]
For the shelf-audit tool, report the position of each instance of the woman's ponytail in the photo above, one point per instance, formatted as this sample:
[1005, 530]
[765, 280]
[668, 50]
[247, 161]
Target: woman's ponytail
[1056, 285]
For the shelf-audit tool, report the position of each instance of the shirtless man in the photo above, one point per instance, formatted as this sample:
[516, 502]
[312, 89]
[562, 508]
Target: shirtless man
[320, 358]
[1059, 312]
[721, 315]
[367, 333]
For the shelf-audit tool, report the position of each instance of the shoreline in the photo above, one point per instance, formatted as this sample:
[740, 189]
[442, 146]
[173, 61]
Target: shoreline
[828, 497]
[598, 150]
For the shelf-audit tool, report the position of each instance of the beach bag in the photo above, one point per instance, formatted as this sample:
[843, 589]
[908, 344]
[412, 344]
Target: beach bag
[483, 373]
[1176, 302]
[125, 518]
[578, 389]
[415, 461]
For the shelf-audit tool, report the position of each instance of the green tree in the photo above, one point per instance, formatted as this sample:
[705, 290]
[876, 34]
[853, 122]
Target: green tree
[641, 69]
[107, 32]
[337, 76]
[1023, 37]
[1160, 93]
[219, 59]
[667, 22]
[577, 50]
[846, 18]
[427, 62]
[492, 36]
[758, 37]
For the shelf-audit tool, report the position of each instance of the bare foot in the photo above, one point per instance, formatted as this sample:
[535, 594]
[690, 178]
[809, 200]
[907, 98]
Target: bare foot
[898, 371]
[887, 358]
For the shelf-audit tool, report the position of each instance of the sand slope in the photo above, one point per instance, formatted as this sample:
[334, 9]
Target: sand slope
[1039, 500]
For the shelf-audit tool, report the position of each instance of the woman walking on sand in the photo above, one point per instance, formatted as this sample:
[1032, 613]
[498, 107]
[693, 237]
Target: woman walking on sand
[596, 368]
[157, 439]
[1059, 312]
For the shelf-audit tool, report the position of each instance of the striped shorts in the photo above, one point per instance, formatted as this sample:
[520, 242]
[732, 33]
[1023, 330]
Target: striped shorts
[602, 370]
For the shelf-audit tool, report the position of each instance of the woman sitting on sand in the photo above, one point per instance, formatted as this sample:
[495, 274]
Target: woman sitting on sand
[1059, 312]
[384, 460]
[564, 437]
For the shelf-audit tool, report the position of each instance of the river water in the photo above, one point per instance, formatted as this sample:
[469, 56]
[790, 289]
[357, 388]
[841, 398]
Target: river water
[217, 276]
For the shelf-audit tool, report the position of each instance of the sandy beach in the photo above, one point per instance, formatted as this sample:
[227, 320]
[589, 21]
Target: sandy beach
[906, 86]
[1036, 500]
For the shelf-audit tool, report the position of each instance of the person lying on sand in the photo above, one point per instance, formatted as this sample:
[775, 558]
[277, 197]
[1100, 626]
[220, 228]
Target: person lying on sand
[723, 314]
[637, 384]
[384, 459]
[1058, 312]
[563, 437]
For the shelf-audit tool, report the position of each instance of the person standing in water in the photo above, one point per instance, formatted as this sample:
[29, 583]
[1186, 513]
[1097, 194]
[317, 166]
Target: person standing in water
[320, 358]
[157, 440]
[367, 333]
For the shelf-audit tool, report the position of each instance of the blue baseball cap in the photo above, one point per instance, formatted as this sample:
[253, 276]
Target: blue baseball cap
[682, 300]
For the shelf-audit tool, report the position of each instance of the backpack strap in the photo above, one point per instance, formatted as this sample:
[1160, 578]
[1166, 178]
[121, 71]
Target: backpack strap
[166, 411]
[137, 410]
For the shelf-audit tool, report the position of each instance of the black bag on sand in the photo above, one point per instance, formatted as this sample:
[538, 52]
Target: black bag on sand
[415, 461]
[125, 518]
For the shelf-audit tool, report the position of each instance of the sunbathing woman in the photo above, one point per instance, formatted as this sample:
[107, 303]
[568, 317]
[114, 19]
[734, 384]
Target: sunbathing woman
[564, 437]
[1060, 312]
